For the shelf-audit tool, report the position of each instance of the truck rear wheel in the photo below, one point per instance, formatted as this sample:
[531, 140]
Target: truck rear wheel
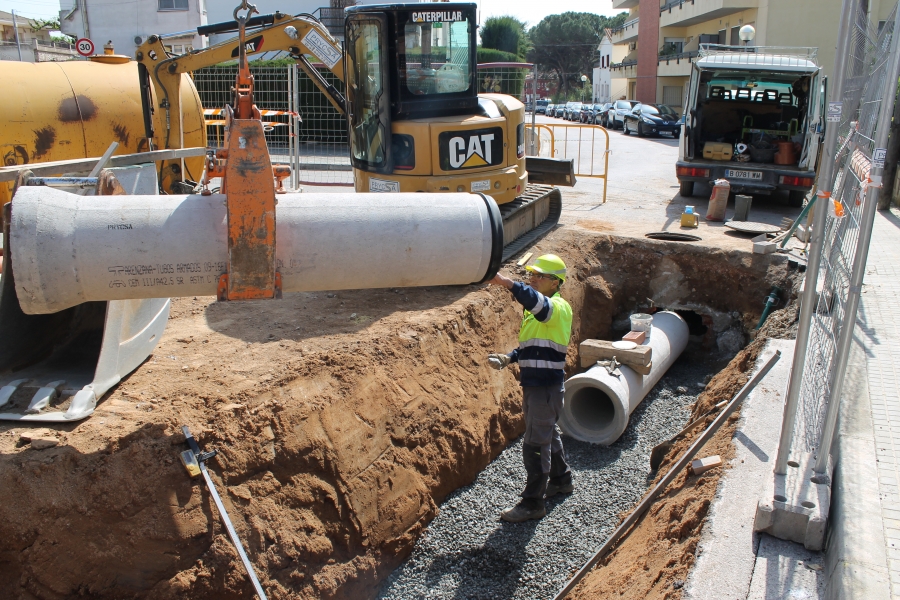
[796, 198]
[687, 189]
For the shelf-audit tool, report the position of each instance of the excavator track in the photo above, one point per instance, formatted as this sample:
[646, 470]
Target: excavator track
[529, 217]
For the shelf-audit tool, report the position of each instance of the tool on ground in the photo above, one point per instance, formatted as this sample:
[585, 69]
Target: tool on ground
[194, 461]
[660, 450]
[626, 525]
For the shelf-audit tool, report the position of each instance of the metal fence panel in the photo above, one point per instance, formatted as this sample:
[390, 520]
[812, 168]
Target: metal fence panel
[866, 85]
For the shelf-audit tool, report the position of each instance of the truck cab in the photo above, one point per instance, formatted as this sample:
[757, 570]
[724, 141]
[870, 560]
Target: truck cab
[753, 116]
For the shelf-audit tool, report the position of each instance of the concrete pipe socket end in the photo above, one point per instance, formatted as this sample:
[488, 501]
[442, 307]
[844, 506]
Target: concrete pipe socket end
[594, 411]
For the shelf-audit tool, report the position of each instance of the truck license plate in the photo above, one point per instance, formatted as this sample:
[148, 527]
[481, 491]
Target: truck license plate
[743, 174]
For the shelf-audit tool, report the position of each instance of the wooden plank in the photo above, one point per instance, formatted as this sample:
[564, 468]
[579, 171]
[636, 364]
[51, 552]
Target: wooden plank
[593, 350]
[76, 165]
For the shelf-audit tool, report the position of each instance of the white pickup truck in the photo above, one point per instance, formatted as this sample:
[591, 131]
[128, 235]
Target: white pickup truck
[761, 98]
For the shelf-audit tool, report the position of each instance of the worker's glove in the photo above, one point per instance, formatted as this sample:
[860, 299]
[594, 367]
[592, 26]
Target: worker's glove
[498, 361]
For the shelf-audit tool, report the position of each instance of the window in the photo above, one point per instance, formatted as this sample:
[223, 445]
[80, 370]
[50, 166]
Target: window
[369, 112]
[436, 60]
[173, 4]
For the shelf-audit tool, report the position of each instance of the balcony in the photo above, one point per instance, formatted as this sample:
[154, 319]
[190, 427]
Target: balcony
[617, 4]
[675, 65]
[682, 13]
[624, 70]
[628, 32]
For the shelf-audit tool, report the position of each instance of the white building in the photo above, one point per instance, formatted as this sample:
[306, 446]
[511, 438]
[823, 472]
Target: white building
[128, 24]
[604, 85]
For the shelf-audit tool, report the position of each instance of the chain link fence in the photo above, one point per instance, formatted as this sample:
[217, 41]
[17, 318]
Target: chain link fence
[866, 84]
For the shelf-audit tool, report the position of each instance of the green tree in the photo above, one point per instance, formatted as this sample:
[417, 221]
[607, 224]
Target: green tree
[505, 33]
[566, 45]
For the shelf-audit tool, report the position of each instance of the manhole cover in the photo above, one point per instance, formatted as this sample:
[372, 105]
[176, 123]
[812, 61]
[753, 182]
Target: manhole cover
[672, 236]
[752, 227]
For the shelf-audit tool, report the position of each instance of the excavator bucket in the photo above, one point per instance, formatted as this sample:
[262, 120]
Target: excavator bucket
[55, 367]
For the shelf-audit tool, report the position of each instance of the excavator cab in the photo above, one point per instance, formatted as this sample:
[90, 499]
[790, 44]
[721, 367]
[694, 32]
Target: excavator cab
[403, 62]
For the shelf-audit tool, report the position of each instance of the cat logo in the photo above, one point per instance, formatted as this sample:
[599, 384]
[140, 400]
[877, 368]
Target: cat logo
[250, 46]
[471, 149]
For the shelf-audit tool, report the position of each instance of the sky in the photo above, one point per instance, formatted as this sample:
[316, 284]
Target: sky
[34, 9]
[530, 11]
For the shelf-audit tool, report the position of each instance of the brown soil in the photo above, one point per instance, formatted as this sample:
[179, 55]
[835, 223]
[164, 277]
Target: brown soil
[341, 421]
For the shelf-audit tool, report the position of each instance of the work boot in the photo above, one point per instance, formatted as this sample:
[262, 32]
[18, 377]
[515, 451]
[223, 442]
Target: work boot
[527, 508]
[563, 485]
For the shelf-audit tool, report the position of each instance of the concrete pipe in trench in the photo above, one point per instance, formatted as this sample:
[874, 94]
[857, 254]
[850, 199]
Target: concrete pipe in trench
[67, 249]
[597, 404]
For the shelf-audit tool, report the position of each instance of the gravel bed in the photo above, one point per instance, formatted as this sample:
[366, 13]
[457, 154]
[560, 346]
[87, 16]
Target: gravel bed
[467, 552]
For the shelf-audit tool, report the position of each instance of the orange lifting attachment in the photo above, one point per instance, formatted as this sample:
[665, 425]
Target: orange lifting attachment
[248, 182]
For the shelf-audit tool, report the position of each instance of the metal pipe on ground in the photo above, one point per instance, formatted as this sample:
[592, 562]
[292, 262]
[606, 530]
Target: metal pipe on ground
[598, 404]
[67, 250]
[677, 468]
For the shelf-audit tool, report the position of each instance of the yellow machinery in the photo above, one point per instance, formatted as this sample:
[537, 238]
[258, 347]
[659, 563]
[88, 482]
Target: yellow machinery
[66, 110]
[416, 122]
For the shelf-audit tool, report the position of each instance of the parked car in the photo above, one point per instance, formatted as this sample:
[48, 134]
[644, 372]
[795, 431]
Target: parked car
[602, 117]
[560, 111]
[591, 113]
[542, 106]
[573, 110]
[551, 110]
[616, 114]
[652, 119]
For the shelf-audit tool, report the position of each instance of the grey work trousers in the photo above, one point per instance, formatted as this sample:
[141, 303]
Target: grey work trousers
[542, 406]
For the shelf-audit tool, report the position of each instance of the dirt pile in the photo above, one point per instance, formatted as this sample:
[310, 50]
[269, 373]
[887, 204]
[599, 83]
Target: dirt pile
[341, 420]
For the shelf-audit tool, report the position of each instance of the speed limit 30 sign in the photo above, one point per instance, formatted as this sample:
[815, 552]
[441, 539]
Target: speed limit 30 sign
[85, 47]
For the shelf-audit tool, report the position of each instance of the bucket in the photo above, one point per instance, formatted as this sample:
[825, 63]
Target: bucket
[642, 322]
[785, 154]
[742, 207]
[718, 200]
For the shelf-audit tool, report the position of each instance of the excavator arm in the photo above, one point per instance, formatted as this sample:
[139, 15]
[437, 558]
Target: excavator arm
[300, 36]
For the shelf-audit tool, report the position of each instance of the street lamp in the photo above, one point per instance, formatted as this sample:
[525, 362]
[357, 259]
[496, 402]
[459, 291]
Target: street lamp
[583, 79]
[747, 33]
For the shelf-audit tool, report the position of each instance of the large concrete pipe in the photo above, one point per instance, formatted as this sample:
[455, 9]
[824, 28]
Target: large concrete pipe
[598, 404]
[67, 249]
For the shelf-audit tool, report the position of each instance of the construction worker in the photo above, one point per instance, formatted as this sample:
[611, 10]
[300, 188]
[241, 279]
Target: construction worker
[543, 340]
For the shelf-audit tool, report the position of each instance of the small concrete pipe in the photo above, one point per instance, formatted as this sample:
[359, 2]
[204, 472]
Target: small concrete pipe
[68, 249]
[597, 405]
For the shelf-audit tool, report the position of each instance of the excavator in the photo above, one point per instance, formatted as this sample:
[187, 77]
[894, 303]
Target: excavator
[90, 295]
[416, 121]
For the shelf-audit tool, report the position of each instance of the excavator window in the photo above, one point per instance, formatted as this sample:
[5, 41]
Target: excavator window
[436, 57]
[367, 93]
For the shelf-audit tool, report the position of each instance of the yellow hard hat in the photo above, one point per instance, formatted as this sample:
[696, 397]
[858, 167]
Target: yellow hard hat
[549, 264]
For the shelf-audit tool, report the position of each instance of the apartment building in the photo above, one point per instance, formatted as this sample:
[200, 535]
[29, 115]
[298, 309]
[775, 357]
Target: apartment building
[128, 24]
[29, 45]
[661, 38]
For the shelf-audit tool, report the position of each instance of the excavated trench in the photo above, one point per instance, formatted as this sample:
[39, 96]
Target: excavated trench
[342, 421]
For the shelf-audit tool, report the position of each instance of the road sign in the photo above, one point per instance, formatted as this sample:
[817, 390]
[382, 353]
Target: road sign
[85, 47]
